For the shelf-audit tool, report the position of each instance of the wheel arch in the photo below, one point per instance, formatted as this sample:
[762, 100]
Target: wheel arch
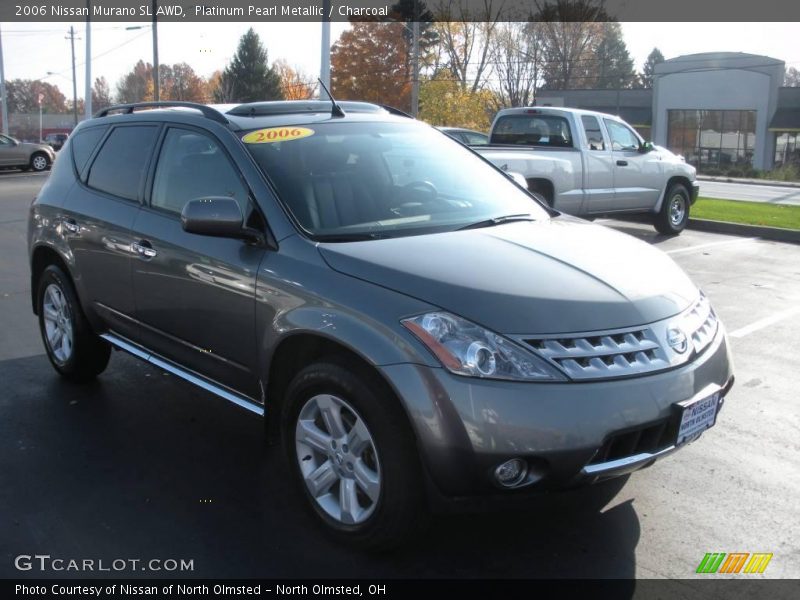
[681, 179]
[42, 257]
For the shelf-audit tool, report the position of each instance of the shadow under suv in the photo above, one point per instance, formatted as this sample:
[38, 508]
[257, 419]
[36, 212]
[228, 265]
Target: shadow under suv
[414, 325]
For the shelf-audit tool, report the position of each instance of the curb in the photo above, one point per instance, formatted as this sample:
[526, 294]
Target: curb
[768, 182]
[776, 234]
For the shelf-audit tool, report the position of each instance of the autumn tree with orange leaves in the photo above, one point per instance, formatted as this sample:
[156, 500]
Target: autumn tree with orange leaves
[368, 63]
[295, 84]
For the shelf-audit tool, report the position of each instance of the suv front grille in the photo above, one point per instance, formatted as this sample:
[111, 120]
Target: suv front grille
[631, 351]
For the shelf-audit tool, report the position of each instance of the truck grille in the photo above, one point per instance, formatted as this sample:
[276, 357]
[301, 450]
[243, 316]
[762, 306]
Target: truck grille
[631, 351]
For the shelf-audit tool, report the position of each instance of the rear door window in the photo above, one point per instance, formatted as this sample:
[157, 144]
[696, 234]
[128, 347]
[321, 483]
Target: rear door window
[84, 143]
[122, 162]
[594, 135]
[533, 130]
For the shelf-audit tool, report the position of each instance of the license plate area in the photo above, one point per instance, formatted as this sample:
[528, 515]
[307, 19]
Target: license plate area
[697, 415]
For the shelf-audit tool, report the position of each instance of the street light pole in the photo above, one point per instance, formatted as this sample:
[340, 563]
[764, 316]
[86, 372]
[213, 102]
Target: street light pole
[156, 90]
[325, 50]
[3, 100]
[74, 81]
[87, 94]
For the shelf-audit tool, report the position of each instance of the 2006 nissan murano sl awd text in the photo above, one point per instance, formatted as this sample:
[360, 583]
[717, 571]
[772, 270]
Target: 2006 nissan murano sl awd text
[412, 323]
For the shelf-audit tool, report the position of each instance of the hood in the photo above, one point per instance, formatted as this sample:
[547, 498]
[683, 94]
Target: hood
[541, 277]
[31, 147]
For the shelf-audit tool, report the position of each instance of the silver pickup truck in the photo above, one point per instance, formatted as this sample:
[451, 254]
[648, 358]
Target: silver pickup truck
[590, 164]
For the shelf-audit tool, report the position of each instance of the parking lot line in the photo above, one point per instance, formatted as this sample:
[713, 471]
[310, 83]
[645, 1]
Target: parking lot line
[765, 322]
[712, 244]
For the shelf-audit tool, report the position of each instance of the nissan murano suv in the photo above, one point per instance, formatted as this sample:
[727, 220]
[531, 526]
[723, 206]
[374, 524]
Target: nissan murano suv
[412, 323]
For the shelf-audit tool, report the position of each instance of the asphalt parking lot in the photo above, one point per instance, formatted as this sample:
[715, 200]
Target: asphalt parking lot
[142, 465]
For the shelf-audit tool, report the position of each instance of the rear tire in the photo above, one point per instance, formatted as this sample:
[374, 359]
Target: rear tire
[72, 347]
[674, 213]
[367, 493]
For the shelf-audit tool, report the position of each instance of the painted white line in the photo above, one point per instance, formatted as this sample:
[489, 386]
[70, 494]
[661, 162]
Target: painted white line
[712, 244]
[765, 322]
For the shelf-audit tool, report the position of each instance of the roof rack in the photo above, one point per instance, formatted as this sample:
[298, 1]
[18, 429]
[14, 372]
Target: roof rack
[128, 109]
[290, 107]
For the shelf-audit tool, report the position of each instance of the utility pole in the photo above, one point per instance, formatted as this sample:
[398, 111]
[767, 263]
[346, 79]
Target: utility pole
[325, 51]
[156, 84]
[71, 38]
[3, 98]
[87, 95]
[415, 64]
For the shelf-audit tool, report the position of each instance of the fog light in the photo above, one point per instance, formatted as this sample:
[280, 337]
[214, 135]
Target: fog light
[511, 473]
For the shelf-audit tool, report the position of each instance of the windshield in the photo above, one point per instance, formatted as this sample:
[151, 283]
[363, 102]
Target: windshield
[357, 180]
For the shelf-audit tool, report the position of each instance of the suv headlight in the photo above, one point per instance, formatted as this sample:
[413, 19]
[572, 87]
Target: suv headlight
[465, 348]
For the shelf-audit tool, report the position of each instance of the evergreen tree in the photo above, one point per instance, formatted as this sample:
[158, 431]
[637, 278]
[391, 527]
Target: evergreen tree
[249, 76]
[614, 65]
[648, 70]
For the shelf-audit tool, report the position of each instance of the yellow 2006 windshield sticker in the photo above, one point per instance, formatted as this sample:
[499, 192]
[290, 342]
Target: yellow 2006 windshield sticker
[277, 134]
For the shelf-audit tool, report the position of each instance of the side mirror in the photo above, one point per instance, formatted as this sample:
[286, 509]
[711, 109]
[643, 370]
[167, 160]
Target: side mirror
[517, 178]
[217, 216]
[646, 147]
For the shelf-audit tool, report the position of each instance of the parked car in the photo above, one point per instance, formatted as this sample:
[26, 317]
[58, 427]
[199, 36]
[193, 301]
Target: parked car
[24, 155]
[592, 164]
[414, 326]
[56, 140]
[466, 136]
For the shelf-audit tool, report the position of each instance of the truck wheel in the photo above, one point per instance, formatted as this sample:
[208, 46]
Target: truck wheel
[674, 213]
[72, 347]
[351, 451]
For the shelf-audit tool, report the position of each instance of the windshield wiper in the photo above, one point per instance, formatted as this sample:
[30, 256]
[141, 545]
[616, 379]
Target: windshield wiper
[351, 237]
[498, 221]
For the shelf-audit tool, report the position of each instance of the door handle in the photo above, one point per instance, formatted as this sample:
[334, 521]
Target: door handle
[70, 225]
[144, 249]
[622, 163]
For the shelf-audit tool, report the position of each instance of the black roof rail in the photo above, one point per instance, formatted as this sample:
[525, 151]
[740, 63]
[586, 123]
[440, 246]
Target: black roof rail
[290, 107]
[395, 111]
[208, 112]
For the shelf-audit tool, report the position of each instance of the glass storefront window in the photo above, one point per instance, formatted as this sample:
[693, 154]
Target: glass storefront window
[717, 139]
[787, 148]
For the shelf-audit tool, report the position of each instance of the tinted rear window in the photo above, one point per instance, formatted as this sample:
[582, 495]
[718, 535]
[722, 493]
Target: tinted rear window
[533, 130]
[120, 165]
[83, 144]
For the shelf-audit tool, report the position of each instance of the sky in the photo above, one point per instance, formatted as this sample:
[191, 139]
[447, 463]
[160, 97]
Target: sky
[32, 50]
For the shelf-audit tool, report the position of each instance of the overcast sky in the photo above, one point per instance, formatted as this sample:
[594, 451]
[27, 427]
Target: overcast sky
[31, 50]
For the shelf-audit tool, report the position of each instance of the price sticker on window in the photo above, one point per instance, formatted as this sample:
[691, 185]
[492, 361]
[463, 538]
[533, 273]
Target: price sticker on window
[277, 134]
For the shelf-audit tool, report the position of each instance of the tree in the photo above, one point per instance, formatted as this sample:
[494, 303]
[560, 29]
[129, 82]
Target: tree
[443, 101]
[368, 62]
[23, 97]
[248, 75]
[295, 85]
[137, 84]
[409, 11]
[101, 94]
[180, 82]
[649, 68]
[792, 77]
[613, 62]
[572, 31]
[516, 51]
[220, 88]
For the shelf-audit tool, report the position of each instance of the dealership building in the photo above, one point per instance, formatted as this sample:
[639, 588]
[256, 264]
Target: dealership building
[721, 110]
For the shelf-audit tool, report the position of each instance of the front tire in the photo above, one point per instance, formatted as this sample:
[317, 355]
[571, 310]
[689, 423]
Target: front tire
[72, 347]
[674, 213]
[39, 162]
[352, 453]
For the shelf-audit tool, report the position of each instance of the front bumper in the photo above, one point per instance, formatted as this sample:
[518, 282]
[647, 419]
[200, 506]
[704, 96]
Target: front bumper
[465, 427]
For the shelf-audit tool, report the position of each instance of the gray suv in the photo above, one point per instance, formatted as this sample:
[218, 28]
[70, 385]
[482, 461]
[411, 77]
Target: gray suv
[413, 325]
